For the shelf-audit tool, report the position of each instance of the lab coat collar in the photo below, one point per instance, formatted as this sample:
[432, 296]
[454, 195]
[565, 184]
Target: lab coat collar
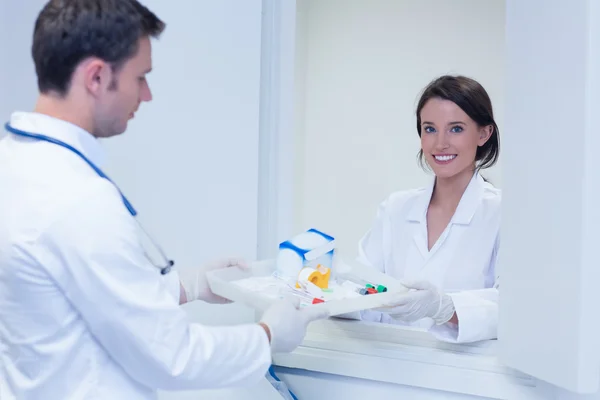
[467, 206]
[61, 130]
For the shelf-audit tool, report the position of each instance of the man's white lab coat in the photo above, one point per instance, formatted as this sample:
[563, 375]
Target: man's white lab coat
[83, 313]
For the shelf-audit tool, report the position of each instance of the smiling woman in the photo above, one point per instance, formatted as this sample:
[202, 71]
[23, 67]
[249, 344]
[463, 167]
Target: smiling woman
[442, 240]
[467, 107]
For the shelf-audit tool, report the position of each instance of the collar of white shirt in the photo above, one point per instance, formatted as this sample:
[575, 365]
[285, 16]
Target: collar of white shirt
[466, 207]
[64, 131]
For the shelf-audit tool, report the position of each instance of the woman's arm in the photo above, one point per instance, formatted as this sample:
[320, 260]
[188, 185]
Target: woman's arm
[476, 311]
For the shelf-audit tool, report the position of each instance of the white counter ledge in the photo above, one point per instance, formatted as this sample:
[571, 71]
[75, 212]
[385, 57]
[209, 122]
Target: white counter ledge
[406, 356]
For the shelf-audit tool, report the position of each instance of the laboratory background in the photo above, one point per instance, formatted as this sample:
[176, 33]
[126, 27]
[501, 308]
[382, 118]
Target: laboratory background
[271, 117]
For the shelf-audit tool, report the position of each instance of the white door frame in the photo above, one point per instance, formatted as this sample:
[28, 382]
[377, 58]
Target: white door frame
[276, 141]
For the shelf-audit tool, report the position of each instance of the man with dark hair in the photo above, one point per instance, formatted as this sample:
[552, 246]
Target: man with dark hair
[67, 32]
[85, 311]
[91, 58]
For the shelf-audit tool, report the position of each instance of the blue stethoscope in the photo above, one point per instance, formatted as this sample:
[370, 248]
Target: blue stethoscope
[165, 268]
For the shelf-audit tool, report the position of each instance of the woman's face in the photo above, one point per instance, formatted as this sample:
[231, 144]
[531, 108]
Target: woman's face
[450, 138]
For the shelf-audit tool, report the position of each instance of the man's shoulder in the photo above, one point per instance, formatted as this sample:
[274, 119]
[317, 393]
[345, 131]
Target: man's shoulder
[36, 204]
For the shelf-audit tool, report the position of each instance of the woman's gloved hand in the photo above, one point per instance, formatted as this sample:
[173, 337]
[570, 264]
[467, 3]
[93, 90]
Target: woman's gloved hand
[195, 283]
[423, 301]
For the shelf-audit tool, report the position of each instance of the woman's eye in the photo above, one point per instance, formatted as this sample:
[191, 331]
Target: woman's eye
[456, 129]
[429, 129]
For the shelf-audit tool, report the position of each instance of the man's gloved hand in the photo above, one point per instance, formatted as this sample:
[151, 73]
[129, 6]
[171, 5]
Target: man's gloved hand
[286, 323]
[425, 301]
[195, 284]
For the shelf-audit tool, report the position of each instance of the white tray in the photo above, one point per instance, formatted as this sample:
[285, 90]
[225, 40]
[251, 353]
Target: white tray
[222, 284]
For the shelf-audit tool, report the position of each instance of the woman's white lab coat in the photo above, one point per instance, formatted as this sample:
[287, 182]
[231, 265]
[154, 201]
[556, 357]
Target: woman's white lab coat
[462, 262]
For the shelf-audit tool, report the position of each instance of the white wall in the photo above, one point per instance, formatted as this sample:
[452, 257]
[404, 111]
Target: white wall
[195, 182]
[360, 68]
[196, 144]
[18, 86]
[3, 77]
[550, 208]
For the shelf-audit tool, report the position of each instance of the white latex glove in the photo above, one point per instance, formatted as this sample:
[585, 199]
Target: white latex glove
[424, 301]
[287, 323]
[196, 286]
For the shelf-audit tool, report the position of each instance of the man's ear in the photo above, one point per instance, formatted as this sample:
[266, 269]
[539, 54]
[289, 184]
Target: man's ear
[97, 76]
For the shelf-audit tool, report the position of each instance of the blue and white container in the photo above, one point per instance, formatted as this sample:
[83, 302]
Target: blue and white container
[308, 249]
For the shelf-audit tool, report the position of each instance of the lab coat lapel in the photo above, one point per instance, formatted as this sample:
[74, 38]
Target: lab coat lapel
[469, 201]
[465, 210]
[467, 206]
[417, 216]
